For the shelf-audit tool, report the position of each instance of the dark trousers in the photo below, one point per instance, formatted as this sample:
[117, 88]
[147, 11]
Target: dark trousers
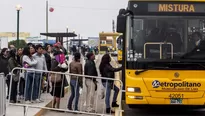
[21, 86]
[13, 93]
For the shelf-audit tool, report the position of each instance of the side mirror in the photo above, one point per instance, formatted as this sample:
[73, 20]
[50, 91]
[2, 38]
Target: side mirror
[121, 21]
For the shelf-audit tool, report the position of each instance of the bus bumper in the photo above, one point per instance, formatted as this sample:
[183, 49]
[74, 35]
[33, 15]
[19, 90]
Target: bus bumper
[130, 100]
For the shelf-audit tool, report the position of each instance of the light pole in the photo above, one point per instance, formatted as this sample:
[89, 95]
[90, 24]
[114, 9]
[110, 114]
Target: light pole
[18, 8]
[47, 20]
[73, 37]
[67, 37]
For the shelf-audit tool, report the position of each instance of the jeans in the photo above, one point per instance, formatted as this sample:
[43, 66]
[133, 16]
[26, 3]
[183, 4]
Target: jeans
[108, 87]
[21, 86]
[74, 94]
[37, 86]
[29, 88]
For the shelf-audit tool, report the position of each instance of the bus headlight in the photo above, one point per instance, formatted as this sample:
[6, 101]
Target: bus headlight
[136, 97]
[134, 89]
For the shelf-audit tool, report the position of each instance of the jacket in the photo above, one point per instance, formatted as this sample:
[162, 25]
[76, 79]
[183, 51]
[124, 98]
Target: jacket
[48, 61]
[90, 69]
[109, 72]
[12, 63]
[4, 65]
[76, 68]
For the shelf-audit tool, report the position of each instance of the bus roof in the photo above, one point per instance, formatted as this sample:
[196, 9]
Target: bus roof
[109, 34]
[170, 0]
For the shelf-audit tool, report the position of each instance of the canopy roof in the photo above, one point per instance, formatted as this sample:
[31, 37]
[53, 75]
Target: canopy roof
[59, 34]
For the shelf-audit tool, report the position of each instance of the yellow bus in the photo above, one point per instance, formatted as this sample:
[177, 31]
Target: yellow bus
[107, 42]
[164, 52]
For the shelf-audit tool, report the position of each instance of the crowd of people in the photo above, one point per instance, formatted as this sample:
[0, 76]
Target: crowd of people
[27, 85]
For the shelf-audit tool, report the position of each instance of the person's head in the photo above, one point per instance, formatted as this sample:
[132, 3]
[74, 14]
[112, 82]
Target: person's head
[77, 57]
[12, 53]
[29, 44]
[104, 61]
[26, 51]
[48, 49]
[39, 49]
[5, 52]
[20, 51]
[196, 36]
[11, 46]
[32, 49]
[56, 47]
[44, 50]
[90, 56]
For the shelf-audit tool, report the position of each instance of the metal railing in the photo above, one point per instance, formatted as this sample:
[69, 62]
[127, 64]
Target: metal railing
[2, 95]
[95, 105]
[160, 47]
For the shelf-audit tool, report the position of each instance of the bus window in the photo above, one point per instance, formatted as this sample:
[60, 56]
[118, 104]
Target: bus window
[172, 33]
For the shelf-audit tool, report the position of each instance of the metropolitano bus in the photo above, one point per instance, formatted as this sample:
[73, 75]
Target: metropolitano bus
[164, 64]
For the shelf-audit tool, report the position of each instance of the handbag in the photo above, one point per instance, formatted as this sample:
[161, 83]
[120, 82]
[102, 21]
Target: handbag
[56, 78]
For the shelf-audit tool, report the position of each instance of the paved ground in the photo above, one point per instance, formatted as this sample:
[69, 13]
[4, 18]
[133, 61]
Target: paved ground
[163, 111]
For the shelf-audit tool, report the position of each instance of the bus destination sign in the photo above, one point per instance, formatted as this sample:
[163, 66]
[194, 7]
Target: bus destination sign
[181, 8]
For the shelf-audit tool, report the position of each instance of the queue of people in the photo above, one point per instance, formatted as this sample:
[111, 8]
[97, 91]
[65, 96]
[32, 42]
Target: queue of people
[27, 85]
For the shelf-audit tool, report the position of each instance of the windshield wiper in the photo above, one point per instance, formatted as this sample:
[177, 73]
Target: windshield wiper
[141, 71]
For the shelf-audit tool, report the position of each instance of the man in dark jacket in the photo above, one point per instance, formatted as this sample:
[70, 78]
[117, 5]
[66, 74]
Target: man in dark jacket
[90, 69]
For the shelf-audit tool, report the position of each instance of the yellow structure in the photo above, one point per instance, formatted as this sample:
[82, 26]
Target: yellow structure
[119, 49]
[107, 41]
[12, 34]
[155, 75]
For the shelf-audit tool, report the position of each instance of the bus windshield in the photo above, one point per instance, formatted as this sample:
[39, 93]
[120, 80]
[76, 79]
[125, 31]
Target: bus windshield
[166, 38]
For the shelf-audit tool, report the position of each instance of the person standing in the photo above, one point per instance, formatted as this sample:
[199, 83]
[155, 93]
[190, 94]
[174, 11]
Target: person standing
[41, 65]
[12, 63]
[58, 87]
[91, 83]
[4, 63]
[29, 62]
[108, 71]
[75, 82]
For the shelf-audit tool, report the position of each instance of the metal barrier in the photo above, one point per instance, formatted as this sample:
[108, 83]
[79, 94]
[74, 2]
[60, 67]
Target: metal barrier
[2, 95]
[33, 95]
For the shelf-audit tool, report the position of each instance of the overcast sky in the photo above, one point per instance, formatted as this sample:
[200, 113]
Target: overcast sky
[87, 17]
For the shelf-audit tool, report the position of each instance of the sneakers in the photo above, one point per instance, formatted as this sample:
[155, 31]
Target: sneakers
[28, 102]
[38, 101]
[114, 104]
